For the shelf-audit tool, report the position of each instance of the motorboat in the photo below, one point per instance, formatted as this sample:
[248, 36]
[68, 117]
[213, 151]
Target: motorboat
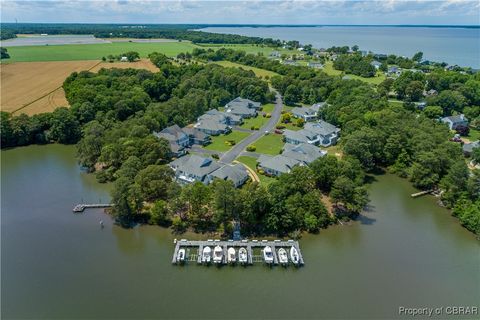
[282, 256]
[231, 255]
[268, 254]
[294, 255]
[242, 256]
[217, 254]
[206, 254]
[181, 255]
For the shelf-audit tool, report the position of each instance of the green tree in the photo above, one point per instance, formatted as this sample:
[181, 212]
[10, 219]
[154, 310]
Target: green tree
[159, 213]
[154, 182]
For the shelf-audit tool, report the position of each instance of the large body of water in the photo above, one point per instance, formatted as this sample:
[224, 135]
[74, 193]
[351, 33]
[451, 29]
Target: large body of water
[452, 45]
[59, 265]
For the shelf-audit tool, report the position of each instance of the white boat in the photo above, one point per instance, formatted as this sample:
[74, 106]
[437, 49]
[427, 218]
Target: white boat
[206, 254]
[217, 254]
[268, 254]
[282, 256]
[181, 255]
[231, 255]
[294, 255]
[242, 255]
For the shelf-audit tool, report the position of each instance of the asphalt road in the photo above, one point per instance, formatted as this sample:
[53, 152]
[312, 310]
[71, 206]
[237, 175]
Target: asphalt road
[233, 153]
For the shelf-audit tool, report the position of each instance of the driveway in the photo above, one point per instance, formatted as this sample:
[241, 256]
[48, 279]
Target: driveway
[233, 153]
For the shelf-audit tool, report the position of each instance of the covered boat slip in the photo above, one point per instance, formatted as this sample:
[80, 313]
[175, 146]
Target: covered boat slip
[195, 248]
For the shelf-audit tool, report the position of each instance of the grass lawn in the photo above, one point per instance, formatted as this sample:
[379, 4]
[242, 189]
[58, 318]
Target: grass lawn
[218, 142]
[394, 102]
[261, 73]
[93, 51]
[287, 108]
[268, 108]
[258, 121]
[252, 164]
[328, 69]
[290, 126]
[270, 144]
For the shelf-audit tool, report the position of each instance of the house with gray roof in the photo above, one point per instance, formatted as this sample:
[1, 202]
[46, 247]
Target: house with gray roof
[241, 111]
[212, 127]
[318, 106]
[315, 65]
[454, 122]
[222, 117]
[307, 114]
[376, 64]
[300, 136]
[238, 101]
[177, 139]
[236, 173]
[276, 165]
[193, 168]
[468, 147]
[196, 136]
[327, 134]
[289, 62]
[303, 152]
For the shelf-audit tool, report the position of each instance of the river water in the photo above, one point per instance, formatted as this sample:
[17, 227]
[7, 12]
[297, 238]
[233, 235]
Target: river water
[59, 265]
[452, 45]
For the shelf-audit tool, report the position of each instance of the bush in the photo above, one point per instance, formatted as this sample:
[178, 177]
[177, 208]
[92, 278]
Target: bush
[260, 171]
[269, 115]
[251, 148]
[256, 128]
[215, 156]
[230, 142]
[280, 126]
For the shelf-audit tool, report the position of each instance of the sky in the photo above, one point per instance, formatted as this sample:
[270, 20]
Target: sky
[432, 12]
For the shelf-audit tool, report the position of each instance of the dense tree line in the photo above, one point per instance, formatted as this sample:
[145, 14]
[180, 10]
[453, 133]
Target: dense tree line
[6, 34]
[4, 53]
[355, 64]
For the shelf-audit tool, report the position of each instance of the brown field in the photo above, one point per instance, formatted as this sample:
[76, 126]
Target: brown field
[36, 87]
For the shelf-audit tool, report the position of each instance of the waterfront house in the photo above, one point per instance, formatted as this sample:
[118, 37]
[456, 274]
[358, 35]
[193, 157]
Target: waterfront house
[468, 147]
[327, 134]
[244, 103]
[307, 114]
[455, 122]
[376, 64]
[177, 139]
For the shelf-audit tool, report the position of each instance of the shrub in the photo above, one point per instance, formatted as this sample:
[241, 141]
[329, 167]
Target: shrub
[280, 126]
[256, 128]
[251, 148]
[269, 115]
[215, 156]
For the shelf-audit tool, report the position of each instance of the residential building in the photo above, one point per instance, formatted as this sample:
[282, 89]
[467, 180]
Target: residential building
[376, 64]
[304, 152]
[242, 111]
[236, 173]
[315, 65]
[468, 147]
[455, 122]
[243, 102]
[327, 134]
[276, 165]
[307, 114]
[394, 71]
[196, 136]
[212, 127]
[275, 54]
[318, 106]
[290, 62]
[177, 139]
[300, 136]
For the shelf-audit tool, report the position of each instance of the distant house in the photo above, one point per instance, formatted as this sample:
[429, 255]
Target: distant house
[431, 92]
[289, 62]
[394, 71]
[315, 65]
[376, 64]
[236, 173]
[380, 56]
[276, 165]
[327, 134]
[275, 54]
[222, 117]
[468, 147]
[420, 105]
[243, 102]
[178, 139]
[193, 168]
[307, 114]
[454, 122]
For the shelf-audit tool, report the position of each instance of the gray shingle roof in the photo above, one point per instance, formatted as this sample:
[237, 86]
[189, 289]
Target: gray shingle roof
[240, 110]
[238, 101]
[304, 152]
[455, 119]
[317, 106]
[468, 147]
[172, 133]
[236, 173]
[278, 163]
[300, 135]
[303, 111]
[197, 134]
[195, 165]
[210, 124]
[322, 128]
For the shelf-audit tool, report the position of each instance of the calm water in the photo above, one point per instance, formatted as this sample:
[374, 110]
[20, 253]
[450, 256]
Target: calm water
[37, 40]
[56, 264]
[452, 45]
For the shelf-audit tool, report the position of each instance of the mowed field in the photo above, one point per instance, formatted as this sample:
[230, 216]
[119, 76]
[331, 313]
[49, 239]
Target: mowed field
[36, 87]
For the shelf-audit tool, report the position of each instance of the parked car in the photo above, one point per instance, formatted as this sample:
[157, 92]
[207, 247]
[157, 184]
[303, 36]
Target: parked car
[278, 131]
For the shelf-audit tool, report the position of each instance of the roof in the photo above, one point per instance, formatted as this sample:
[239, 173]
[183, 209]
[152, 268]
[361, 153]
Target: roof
[375, 63]
[317, 106]
[195, 165]
[301, 135]
[210, 124]
[304, 152]
[240, 110]
[278, 163]
[193, 132]
[236, 173]
[303, 111]
[171, 133]
[218, 117]
[455, 119]
[321, 127]
[238, 101]
[468, 147]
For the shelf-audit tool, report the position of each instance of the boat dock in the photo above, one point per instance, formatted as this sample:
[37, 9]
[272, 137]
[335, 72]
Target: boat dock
[421, 193]
[194, 249]
[82, 206]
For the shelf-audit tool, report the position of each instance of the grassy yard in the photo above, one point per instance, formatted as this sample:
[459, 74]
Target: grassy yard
[268, 108]
[252, 164]
[218, 142]
[290, 126]
[394, 102]
[270, 144]
[93, 51]
[258, 121]
[261, 73]
[328, 69]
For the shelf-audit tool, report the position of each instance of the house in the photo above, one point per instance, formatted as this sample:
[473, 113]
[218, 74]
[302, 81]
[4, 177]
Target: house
[431, 92]
[242, 111]
[468, 147]
[394, 71]
[178, 139]
[289, 62]
[275, 54]
[315, 65]
[420, 105]
[276, 165]
[300, 136]
[318, 106]
[193, 168]
[196, 136]
[212, 127]
[304, 152]
[307, 114]
[236, 173]
[243, 102]
[222, 117]
[376, 64]
[455, 122]
[327, 134]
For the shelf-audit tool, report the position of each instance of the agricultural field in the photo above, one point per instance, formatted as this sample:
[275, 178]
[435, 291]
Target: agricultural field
[36, 87]
[261, 73]
[219, 143]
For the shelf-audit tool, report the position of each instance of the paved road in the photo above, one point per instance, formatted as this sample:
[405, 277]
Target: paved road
[233, 153]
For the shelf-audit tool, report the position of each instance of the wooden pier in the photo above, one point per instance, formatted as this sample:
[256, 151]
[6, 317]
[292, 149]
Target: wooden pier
[82, 206]
[194, 249]
[421, 193]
